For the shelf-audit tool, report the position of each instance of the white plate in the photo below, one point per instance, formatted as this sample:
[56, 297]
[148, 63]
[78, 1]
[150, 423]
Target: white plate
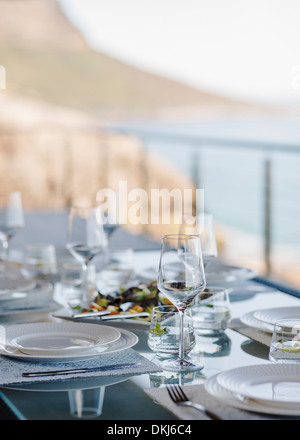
[148, 275]
[249, 320]
[224, 274]
[229, 274]
[270, 316]
[56, 338]
[15, 282]
[275, 385]
[35, 288]
[226, 397]
[126, 340]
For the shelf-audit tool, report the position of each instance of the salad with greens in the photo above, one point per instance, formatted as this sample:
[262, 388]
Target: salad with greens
[135, 299]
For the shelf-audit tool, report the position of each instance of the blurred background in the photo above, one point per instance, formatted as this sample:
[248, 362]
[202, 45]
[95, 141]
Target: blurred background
[170, 94]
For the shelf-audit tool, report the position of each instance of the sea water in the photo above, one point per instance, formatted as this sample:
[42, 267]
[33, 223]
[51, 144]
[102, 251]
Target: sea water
[233, 178]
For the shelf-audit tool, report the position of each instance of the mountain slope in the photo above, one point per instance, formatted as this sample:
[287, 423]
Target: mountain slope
[47, 59]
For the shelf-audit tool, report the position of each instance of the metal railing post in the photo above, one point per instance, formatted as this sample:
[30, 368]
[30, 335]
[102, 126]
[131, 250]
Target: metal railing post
[268, 215]
[196, 173]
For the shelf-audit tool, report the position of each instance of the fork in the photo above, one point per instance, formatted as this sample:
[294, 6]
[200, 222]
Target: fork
[179, 397]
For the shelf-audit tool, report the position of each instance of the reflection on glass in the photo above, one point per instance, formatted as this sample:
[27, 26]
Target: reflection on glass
[86, 404]
[212, 346]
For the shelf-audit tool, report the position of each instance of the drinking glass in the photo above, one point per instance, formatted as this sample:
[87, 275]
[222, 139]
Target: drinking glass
[119, 270]
[40, 260]
[285, 343]
[11, 218]
[110, 213]
[211, 311]
[71, 282]
[181, 278]
[86, 240]
[202, 225]
[164, 333]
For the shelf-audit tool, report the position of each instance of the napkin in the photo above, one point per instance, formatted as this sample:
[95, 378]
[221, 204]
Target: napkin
[251, 332]
[12, 370]
[198, 394]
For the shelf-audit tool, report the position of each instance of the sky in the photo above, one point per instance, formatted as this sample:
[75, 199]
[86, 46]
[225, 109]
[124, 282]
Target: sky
[245, 49]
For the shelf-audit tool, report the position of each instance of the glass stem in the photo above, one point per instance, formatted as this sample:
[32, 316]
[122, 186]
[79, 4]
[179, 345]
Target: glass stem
[84, 285]
[181, 343]
[5, 253]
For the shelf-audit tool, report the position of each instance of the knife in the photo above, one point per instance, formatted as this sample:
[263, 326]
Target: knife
[91, 314]
[79, 370]
[104, 317]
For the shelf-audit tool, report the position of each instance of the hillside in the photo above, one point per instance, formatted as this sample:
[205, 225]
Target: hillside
[46, 58]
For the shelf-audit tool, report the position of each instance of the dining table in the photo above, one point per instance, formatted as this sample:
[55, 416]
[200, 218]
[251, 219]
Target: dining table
[140, 394]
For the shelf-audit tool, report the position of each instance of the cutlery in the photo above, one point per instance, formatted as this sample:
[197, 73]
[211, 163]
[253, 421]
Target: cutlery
[103, 317]
[90, 314]
[126, 316]
[178, 396]
[79, 370]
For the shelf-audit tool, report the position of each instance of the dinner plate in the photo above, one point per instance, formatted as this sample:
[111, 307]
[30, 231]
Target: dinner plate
[229, 274]
[249, 320]
[14, 282]
[126, 340]
[275, 385]
[222, 274]
[226, 397]
[36, 287]
[270, 316]
[56, 338]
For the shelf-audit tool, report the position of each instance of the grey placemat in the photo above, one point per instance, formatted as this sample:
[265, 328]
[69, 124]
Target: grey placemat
[198, 394]
[12, 370]
[34, 302]
[252, 333]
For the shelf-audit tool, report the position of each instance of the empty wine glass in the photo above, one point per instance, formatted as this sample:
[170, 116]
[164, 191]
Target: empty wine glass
[202, 225]
[110, 213]
[181, 278]
[11, 219]
[86, 240]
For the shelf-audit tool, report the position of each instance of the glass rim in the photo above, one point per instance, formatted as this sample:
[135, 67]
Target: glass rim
[164, 308]
[177, 236]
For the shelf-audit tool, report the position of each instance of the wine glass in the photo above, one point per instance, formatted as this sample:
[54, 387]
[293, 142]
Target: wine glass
[202, 225]
[11, 219]
[181, 278]
[86, 240]
[110, 213]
